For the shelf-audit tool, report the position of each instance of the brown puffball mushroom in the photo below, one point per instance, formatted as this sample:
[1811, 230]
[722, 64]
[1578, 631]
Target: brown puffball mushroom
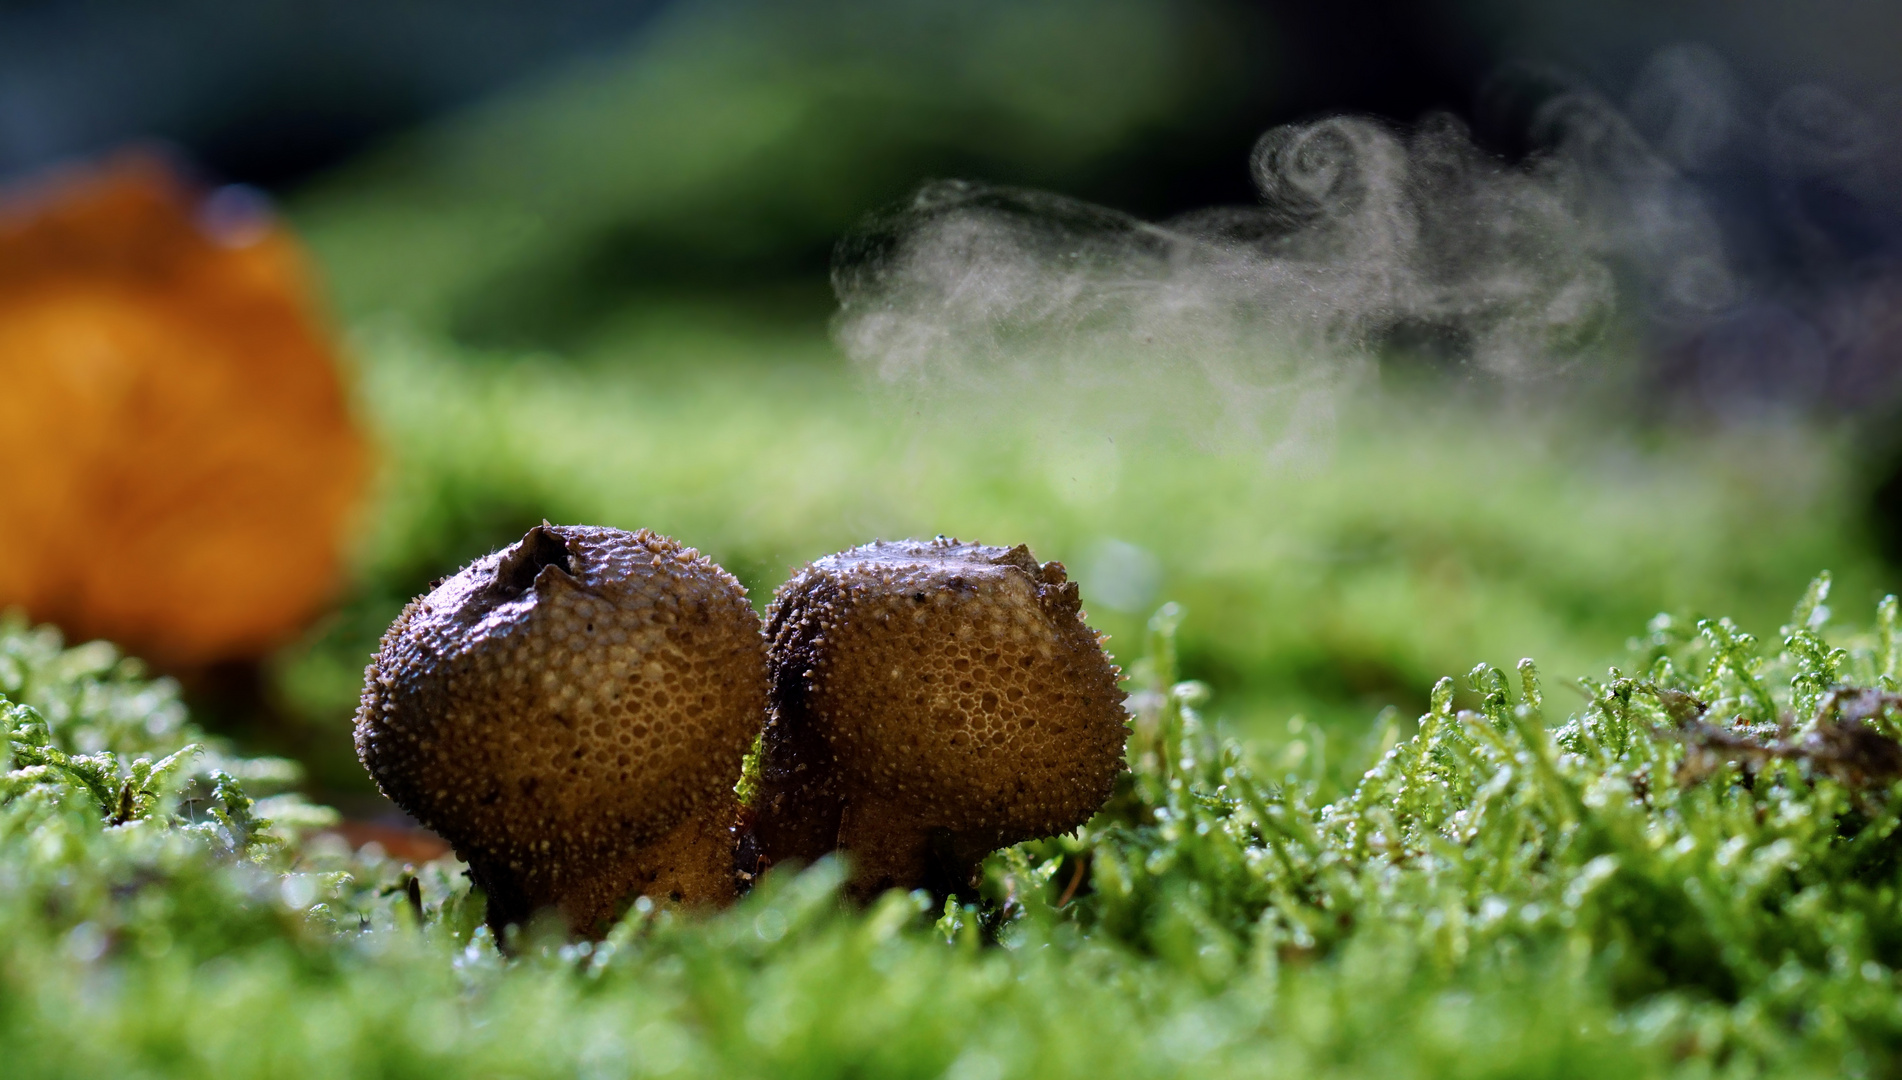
[931, 702]
[571, 713]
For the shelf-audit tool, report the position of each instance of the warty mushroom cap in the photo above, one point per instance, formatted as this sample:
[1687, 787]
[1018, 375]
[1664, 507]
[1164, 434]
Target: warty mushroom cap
[562, 702]
[954, 687]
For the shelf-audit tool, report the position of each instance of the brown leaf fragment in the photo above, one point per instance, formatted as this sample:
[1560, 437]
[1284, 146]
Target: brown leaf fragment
[1843, 743]
[1852, 753]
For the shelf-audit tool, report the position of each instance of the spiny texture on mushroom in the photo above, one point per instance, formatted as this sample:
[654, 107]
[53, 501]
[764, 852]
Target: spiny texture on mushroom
[932, 701]
[571, 713]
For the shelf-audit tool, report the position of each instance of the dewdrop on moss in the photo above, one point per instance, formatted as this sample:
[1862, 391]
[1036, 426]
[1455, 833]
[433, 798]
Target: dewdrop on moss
[931, 702]
[570, 713]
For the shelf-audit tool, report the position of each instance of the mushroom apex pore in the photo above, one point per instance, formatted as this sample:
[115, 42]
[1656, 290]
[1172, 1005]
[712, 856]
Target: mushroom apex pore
[542, 548]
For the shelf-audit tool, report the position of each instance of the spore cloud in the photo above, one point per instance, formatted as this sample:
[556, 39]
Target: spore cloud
[1735, 252]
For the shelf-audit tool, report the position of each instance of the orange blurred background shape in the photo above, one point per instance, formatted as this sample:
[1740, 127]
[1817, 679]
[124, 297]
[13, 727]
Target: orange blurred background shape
[178, 461]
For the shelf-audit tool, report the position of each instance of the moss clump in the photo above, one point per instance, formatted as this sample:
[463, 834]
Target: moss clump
[1681, 879]
[1710, 843]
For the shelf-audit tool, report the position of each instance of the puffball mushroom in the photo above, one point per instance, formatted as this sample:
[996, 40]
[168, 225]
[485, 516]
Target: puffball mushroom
[571, 714]
[931, 702]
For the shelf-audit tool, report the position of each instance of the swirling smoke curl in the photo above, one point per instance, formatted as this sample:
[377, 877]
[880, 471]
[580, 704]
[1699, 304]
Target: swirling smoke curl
[1743, 255]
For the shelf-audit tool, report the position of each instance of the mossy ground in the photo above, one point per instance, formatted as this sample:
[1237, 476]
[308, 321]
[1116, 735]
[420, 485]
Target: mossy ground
[601, 301]
[1500, 893]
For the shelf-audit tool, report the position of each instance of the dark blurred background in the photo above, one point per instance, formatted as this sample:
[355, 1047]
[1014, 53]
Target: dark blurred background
[271, 94]
[1773, 116]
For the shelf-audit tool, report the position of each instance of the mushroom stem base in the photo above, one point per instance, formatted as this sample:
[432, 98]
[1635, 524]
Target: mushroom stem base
[891, 849]
[691, 866]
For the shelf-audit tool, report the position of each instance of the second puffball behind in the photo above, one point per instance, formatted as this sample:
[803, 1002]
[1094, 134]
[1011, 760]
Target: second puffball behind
[932, 701]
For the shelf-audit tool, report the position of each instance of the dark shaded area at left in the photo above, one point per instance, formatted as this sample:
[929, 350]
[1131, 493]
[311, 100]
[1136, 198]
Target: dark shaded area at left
[268, 94]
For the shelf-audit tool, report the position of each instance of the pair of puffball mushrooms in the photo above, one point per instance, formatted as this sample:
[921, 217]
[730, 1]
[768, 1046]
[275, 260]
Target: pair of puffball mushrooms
[572, 713]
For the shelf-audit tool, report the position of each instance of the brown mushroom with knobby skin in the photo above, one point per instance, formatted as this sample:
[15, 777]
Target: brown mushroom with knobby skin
[931, 701]
[571, 714]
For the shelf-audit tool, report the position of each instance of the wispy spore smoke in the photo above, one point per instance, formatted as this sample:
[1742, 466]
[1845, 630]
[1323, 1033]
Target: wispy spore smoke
[1750, 251]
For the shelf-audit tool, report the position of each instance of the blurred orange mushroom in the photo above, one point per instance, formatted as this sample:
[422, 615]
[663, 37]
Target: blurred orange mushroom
[178, 462]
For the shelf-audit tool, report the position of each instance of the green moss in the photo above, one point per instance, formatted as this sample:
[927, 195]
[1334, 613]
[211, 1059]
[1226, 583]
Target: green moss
[747, 788]
[1495, 893]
